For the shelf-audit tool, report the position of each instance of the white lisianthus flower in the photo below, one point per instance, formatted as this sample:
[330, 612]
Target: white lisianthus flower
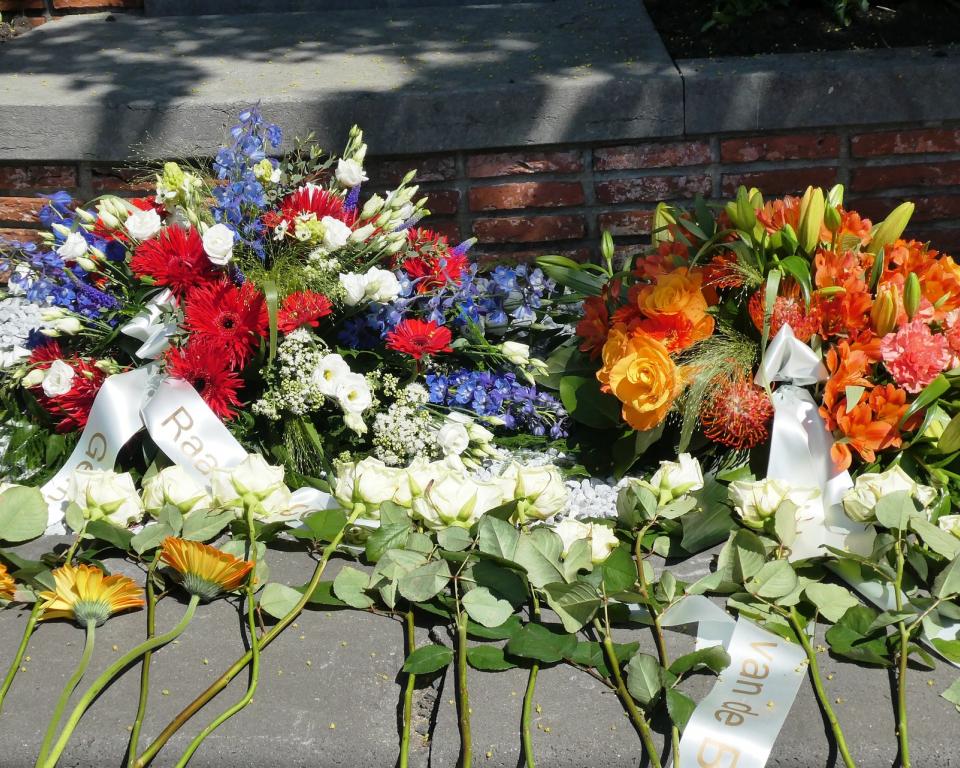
[860, 502]
[142, 225]
[570, 532]
[677, 478]
[328, 374]
[382, 285]
[350, 173]
[541, 490]
[515, 352]
[362, 233]
[73, 247]
[58, 379]
[353, 393]
[372, 207]
[453, 438]
[354, 288]
[336, 234]
[103, 493]
[33, 379]
[950, 524]
[172, 485]
[248, 485]
[758, 501]
[218, 244]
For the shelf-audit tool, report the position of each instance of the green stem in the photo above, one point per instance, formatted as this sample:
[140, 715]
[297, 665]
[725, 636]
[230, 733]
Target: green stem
[109, 674]
[904, 657]
[67, 691]
[76, 543]
[525, 736]
[145, 668]
[636, 717]
[466, 743]
[411, 644]
[224, 680]
[21, 650]
[815, 677]
[254, 654]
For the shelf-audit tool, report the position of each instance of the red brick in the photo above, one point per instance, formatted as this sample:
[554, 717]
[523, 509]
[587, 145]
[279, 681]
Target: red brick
[620, 223]
[913, 175]
[443, 201]
[29, 235]
[447, 228]
[673, 154]
[906, 142]
[523, 163]
[775, 148]
[517, 229]
[21, 5]
[527, 194]
[489, 258]
[428, 169]
[944, 240]
[648, 189]
[37, 177]
[64, 4]
[929, 208]
[122, 181]
[20, 210]
[780, 182]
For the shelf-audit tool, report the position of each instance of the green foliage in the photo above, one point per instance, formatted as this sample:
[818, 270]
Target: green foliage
[727, 12]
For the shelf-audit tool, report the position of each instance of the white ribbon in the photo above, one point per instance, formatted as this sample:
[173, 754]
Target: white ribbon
[149, 327]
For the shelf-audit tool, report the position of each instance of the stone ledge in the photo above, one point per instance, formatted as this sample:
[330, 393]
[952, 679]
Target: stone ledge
[352, 683]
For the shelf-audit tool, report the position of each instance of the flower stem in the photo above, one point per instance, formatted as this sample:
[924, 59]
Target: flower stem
[76, 543]
[466, 743]
[224, 680]
[67, 690]
[107, 676]
[254, 654]
[525, 736]
[821, 692]
[411, 644]
[145, 668]
[904, 657]
[21, 650]
[636, 716]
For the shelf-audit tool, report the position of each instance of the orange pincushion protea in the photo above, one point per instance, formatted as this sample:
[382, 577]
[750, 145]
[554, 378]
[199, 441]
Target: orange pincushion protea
[206, 571]
[7, 585]
[738, 414]
[85, 593]
[790, 309]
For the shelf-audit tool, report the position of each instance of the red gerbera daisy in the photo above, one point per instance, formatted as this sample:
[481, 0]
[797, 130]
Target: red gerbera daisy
[434, 263]
[175, 259]
[418, 338]
[738, 414]
[71, 410]
[207, 369]
[231, 319]
[302, 308]
[316, 200]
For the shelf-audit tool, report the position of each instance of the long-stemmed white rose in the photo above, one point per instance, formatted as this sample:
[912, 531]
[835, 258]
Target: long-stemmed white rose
[256, 487]
[757, 502]
[174, 486]
[860, 502]
[103, 493]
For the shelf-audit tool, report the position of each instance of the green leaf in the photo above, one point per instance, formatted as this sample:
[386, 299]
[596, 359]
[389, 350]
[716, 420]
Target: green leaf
[172, 517]
[894, 510]
[619, 570]
[510, 628]
[850, 637]
[949, 441]
[73, 516]
[394, 563]
[428, 659]
[947, 582]
[643, 678]
[930, 394]
[578, 558]
[350, 585]
[325, 524]
[680, 707]
[497, 537]
[104, 530]
[944, 544]
[575, 604]
[952, 694]
[591, 654]
[486, 609]
[712, 522]
[774, 580]
[454, 538]
[501, 581]
[571, 274]
[537, 642]
[636, 505]
[392, 534]
[585, 403]
[831, 600]
[886, 618]
[488, 658]
[204, 524]
[538, 552]
[23, 514]
[150, 537]
[742, 556]
[323, 595]
[715, 658]
[278, 599]
[424, 582]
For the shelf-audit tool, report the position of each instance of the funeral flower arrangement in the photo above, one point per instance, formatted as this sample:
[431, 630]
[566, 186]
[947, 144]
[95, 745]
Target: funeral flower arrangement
[261, 357]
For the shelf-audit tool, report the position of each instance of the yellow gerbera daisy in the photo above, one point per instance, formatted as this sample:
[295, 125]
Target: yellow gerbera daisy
[206, 570]
[85, 593]
[7, 585]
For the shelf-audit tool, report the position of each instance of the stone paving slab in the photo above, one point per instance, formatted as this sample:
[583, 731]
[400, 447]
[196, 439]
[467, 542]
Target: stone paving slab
[341, 710]
[417, 79]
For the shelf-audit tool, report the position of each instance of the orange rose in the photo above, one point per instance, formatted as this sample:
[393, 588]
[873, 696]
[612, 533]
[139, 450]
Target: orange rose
[638, 371]
[678, 293]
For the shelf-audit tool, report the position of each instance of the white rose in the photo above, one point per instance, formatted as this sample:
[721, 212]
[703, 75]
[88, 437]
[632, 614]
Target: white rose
[453, 438]
[218, 244]
[354, 288]
[860, 502]
[369, 482]
[336, 234]
[756, 502]
[172, 485]
[350, 173]
[382, 285]
[142, 225]
[676, 478]
[58, 379]
[73, 247]
[353, 393]
[602, 542]
[541, 490]
[103, 493]
[570, 532]
[329, 373]
[455, 500]
[278, 507]
[247, 483]
[950, 524]
[515, 352]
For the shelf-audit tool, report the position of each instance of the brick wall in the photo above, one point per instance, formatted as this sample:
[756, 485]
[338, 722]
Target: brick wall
[558, 199]
[36, 10]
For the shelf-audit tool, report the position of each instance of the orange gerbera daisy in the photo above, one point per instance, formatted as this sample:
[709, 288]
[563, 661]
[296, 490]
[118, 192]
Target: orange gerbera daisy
[85, 593]
[206, 571]
[7, 585]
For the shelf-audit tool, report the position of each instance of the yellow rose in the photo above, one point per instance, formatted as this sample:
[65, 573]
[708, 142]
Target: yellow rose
[638, 370]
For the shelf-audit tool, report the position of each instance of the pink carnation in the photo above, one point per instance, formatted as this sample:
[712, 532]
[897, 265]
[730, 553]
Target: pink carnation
[914, 355]
[952, 332]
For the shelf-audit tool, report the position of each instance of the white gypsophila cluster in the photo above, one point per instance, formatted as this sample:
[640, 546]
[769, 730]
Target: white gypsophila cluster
[293, 391]
[17, 318]
[406, 430]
